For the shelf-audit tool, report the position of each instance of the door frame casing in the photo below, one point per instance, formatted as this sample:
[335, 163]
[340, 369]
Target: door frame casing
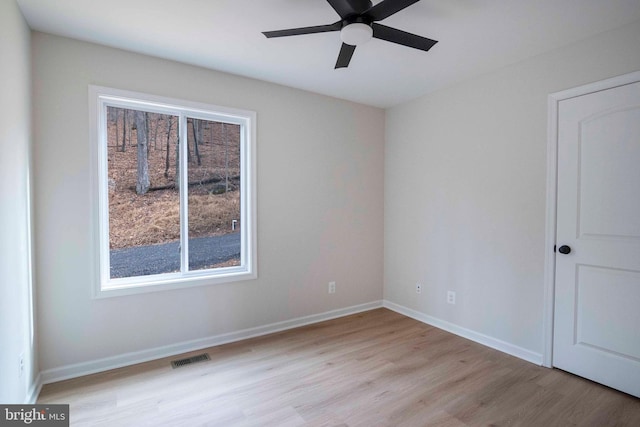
[552, 194]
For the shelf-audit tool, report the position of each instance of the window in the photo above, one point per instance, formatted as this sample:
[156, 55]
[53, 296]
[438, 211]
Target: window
[175, 186]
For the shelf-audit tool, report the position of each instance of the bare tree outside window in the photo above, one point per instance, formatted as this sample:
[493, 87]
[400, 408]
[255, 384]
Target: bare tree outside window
[142, 184]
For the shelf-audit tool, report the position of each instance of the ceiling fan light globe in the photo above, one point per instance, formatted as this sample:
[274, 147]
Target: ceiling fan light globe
[356, 34]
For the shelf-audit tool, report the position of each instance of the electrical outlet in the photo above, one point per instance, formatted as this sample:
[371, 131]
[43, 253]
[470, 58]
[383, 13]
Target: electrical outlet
[20, 365]
[418, 288]
[332, 287]
[451, 297]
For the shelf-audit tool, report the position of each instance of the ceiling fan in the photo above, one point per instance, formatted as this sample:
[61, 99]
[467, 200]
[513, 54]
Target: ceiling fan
[357, 25]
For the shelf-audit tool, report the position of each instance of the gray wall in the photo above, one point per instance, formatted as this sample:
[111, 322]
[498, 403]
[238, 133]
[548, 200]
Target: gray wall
[15, 208]
[320, 207]
[465, 188]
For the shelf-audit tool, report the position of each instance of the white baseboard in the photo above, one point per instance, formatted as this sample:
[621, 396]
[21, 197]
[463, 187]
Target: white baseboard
[34, 391]
[486, 340]
[119, 361]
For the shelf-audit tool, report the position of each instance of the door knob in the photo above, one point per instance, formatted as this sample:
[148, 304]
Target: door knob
[564, 249]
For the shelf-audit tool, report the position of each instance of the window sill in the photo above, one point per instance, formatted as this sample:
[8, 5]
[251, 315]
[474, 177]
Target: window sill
[164, 282]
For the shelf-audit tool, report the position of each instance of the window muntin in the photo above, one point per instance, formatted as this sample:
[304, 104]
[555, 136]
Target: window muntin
[205, 232]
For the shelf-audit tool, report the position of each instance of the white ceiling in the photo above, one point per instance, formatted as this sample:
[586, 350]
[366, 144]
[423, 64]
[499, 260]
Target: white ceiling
[475, 36]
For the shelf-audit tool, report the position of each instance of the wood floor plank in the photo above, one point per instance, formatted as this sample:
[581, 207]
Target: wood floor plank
[377, 368]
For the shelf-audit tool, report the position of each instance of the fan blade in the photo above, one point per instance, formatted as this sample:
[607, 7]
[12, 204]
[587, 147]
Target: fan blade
[394, 35]
[346, 8]
[337, 26]
[387, 8]
[344, 57]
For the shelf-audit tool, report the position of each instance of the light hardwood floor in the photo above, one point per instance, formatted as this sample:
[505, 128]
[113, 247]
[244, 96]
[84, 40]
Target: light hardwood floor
[377, 368]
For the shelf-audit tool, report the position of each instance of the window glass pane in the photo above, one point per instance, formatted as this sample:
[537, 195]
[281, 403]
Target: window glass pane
[213, 157]
[144, 195]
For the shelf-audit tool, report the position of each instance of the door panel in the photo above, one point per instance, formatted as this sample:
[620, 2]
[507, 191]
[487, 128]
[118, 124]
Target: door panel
[605, 165]
[602, 300]
[597, 285]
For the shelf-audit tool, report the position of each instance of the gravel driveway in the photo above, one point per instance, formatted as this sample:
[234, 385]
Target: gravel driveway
[165, 258]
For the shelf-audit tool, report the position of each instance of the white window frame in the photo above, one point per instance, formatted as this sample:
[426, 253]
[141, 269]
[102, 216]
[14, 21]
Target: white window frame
[104, 286]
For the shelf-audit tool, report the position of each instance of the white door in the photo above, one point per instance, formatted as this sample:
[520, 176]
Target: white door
[597, 284]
